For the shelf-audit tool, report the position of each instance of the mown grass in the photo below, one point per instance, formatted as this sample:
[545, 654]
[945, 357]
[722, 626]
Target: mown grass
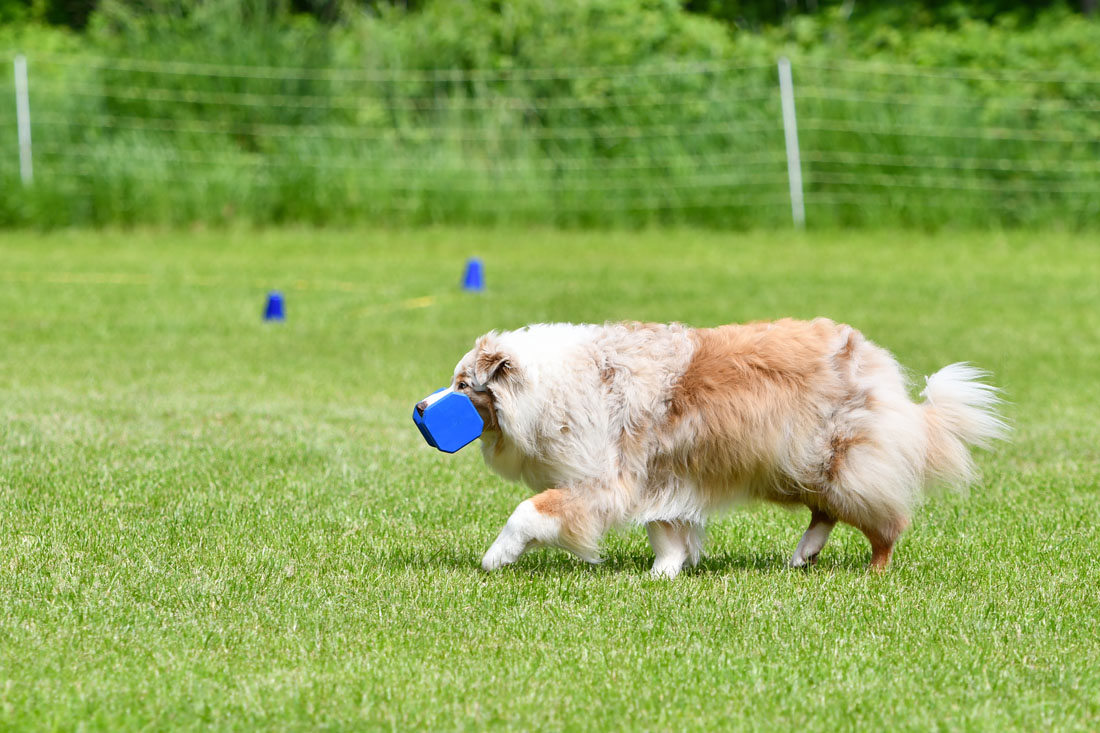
[209, 521]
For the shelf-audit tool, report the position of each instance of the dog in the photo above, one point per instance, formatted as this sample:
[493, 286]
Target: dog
[664, 425]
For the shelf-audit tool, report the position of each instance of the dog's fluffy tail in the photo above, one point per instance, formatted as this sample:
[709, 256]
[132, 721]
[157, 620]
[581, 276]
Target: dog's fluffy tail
[960, 410]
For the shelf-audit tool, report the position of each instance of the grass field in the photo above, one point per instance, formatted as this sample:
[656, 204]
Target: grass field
[207, 521]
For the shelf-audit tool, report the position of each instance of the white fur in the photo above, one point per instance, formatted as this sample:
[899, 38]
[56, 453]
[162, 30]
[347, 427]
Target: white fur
[966, 403]
[674, 544]
[436, 397]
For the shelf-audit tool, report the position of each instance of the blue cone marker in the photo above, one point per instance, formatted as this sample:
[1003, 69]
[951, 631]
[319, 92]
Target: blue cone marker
[473, 279]
[275, 309]
[449, 422]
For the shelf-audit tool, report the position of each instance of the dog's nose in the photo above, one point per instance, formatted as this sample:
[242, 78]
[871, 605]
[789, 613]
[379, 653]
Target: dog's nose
[420, 407]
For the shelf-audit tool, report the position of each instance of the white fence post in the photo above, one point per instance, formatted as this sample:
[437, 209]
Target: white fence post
[790, 133]
[23, 120]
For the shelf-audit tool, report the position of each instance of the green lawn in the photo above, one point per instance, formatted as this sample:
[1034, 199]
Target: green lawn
[209, 521]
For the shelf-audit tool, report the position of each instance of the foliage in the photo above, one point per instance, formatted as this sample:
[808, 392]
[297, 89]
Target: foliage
[754, 14]
[13, 11]
[516, 129]
[911, 14]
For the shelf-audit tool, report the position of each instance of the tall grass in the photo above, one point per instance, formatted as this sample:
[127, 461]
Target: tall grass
[464, 114]
[888, 145]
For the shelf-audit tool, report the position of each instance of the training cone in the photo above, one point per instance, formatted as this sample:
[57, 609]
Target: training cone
[474, 278]
[275, 310]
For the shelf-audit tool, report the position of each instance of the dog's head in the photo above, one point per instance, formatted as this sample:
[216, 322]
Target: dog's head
[489, 375]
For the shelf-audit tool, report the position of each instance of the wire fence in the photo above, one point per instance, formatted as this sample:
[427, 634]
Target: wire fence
[115, 140]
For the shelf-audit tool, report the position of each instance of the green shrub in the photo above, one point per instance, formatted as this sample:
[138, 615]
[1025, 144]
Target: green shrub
[579, 112]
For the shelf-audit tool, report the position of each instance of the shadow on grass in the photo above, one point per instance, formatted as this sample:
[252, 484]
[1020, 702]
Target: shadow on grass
[557, 562]
[775, 562]
[731, 563]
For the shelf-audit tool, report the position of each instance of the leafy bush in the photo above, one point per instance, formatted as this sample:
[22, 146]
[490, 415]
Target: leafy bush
[581, 112]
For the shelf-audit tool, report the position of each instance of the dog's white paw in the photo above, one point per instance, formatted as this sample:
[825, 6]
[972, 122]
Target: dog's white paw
[668, 567]
[526, 528]
[500, 554]
[800, 559]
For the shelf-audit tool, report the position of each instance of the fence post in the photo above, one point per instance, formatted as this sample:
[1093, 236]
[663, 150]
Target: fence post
[790, 133]
[23, 120]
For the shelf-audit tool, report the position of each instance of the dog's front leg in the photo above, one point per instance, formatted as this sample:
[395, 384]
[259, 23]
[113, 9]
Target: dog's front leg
[553, 518]
[674, 544]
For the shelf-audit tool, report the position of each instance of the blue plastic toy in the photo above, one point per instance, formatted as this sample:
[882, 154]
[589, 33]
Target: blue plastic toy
[448, 423]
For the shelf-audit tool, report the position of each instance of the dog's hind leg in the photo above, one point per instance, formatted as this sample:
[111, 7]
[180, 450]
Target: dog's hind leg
[674, 543]
[813, 540]
[553, 518]
[882, 536]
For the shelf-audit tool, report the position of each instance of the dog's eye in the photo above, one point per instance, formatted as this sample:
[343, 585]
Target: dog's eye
[462, 385]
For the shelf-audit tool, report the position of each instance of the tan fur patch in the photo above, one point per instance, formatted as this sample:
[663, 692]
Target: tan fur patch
[550, 502]
[577, 524]
[751, 358]
[486, 408]
[744, 389]
[838, 453]
[846, 351]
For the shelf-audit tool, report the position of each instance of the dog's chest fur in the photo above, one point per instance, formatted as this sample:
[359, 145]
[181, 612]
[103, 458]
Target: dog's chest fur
[592, 400]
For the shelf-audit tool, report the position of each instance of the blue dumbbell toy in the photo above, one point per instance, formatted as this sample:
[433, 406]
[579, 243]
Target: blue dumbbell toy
[448, 420]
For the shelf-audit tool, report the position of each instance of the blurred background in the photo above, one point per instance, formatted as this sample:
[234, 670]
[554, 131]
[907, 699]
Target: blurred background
[567, 112]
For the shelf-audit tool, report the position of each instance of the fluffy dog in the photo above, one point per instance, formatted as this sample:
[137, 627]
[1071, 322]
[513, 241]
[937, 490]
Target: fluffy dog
[664, 425]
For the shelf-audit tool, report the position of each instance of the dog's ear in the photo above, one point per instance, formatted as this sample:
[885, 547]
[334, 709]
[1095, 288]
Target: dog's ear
[492, 362]
[494, 366]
